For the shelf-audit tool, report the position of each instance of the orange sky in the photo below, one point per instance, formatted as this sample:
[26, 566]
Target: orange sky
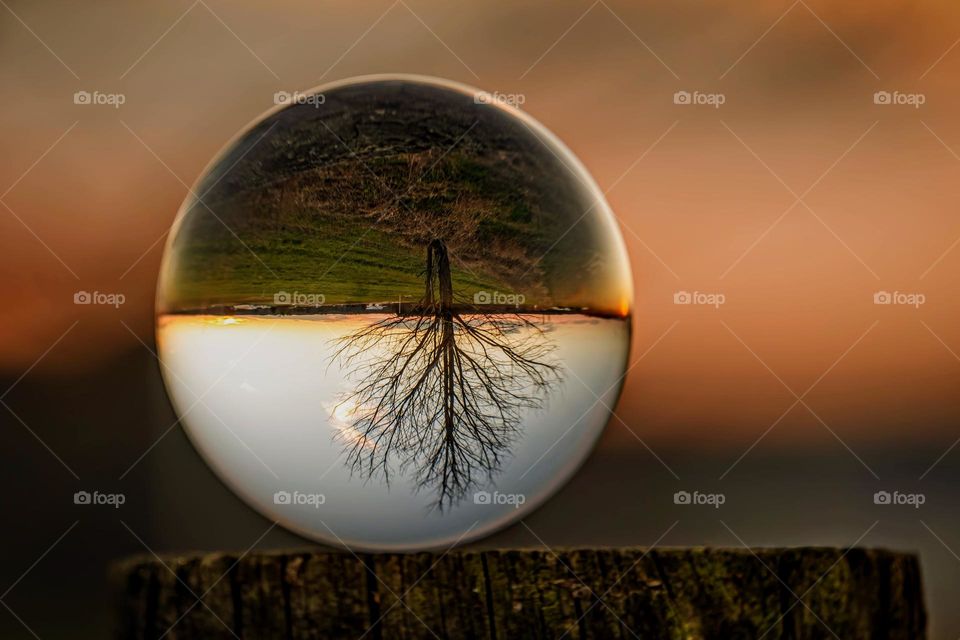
[707, 197]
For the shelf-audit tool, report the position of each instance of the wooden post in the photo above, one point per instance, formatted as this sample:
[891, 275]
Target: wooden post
[680, 594]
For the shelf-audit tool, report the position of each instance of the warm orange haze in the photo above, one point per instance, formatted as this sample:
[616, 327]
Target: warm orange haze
[706, 197]
[785, 177]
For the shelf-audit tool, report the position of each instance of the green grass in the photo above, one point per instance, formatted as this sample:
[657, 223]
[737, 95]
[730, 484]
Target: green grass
[345, 263]
[313, 232]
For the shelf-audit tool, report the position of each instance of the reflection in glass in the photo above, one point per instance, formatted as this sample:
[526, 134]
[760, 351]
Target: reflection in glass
[405, 297]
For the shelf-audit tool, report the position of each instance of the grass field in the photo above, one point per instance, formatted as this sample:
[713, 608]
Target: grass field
[364, 265]
[344, 204]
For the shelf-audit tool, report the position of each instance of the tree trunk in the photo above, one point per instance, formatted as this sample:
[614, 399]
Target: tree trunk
[514, 594]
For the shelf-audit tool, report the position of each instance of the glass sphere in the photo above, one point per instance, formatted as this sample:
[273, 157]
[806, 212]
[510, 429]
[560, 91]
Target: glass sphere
[394, 313]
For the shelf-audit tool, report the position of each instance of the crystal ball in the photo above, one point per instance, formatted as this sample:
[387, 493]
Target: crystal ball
[394, 313]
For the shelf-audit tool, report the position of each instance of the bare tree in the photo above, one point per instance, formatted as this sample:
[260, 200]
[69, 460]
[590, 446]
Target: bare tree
[441, 388]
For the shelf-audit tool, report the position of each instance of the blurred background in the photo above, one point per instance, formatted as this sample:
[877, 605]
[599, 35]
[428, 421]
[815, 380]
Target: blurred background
[795, 163]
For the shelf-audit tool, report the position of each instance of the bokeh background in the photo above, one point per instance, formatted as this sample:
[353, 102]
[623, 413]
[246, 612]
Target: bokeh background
[798, 199]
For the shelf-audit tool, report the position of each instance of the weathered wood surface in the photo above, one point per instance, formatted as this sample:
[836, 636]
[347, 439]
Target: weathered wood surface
[513, 594]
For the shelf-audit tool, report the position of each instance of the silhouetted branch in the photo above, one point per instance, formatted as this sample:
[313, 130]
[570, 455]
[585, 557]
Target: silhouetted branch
[440, 391]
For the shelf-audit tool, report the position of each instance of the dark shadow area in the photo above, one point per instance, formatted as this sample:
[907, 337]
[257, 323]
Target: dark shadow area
[102, 422]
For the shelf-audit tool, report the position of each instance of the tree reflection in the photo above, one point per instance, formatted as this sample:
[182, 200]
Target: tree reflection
[441, 388]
